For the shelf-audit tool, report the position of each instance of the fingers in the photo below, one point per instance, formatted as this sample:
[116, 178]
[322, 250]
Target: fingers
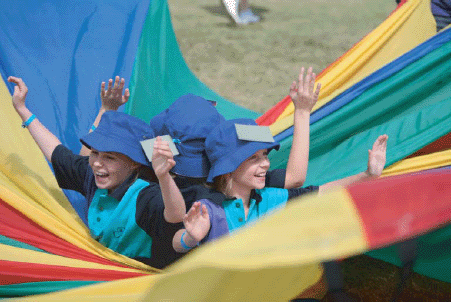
[102, 90]
[126, 95]
[116, 82]
[301, 80]
[308, 79]
[204, 212]
[110, 84]
[121, 83]
[20, 87]
[381, 143]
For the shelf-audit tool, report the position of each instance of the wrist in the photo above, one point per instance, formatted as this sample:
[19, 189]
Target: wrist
[187, 241]
[369, 174]
[302, 112]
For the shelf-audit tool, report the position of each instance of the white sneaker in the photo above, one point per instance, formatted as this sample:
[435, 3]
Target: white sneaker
[247, 16]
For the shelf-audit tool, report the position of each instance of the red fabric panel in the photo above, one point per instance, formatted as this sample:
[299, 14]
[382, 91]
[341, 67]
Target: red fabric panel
[15, 225]
[443, 143]
[270, 116]
[396, 208]
[21, 272]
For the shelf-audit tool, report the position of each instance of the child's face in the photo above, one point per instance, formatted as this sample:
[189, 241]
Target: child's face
[110, 169]
[251, 174]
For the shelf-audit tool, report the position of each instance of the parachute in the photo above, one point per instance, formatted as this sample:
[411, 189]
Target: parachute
[394, 81]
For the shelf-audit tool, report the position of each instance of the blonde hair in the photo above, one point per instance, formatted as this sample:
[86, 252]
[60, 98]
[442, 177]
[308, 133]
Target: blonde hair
[223, 184]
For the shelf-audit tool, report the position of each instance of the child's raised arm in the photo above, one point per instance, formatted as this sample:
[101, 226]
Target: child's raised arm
[304, 97]
[46, 141]
[111, 99]
[197, 225]
[376, 162]
[162, 163]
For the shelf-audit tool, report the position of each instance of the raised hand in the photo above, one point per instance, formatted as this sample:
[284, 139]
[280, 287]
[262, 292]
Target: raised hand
[20, 92]
[112, 98]
[377, 156]
[302, 94]
[162, 158]
[197, 221]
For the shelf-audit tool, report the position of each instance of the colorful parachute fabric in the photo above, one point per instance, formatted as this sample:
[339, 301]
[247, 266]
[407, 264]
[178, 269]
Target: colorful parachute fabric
[62, 50]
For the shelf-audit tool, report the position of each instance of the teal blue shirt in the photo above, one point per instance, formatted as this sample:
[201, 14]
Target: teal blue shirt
[113, 222]
[271, 199]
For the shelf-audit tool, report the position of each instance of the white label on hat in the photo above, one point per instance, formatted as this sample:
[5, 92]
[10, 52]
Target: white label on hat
[254, 133]
[147, 146]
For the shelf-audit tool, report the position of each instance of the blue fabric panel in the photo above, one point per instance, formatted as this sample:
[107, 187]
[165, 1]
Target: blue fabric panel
[63, 50]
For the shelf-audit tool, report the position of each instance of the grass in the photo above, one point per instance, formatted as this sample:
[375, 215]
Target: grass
[254, 65]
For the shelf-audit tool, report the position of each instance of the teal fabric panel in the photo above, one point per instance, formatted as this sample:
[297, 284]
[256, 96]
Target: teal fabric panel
[160, 73]
[15, 243]
[34, 288]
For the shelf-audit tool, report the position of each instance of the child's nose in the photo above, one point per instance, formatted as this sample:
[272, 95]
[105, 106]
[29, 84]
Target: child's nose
[265, 163]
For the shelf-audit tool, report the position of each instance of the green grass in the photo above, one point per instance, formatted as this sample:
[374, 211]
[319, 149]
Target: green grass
[254, 65]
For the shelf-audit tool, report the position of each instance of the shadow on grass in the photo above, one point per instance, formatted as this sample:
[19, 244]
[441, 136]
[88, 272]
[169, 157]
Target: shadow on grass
[219, 10]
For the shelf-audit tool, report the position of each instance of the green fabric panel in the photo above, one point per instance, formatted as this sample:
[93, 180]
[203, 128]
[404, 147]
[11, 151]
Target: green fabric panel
[414, 108]
[421, 84]
[160, 74]
[34, 288]
[433, 254]
[12, 242]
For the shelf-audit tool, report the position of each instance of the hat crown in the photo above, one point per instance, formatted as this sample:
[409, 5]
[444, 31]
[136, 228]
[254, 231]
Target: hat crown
[120, 132]
[189, 119]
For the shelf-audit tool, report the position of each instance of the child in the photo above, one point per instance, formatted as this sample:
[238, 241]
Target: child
[238, 171]
[126, 213]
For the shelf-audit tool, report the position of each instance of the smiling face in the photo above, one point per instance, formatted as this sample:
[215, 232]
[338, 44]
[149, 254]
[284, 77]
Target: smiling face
[251, 173]
[111, 169]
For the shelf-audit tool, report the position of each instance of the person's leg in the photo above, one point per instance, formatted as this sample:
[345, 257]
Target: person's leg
[232, 8]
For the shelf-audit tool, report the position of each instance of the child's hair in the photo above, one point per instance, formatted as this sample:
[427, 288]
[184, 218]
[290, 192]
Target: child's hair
[223, 184]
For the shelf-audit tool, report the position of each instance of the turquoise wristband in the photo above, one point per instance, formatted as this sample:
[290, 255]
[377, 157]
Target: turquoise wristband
[28, 122]
[183, 242]
[93, 127]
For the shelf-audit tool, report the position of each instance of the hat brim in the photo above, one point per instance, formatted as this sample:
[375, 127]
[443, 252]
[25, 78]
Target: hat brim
[196, 166]
[231, 162]
[106, 142]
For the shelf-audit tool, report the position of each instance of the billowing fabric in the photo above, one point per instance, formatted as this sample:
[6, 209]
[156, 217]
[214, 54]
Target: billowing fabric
[288, 245]
[64, 50]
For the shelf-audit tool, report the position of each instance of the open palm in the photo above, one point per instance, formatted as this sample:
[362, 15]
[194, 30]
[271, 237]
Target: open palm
[197, 221]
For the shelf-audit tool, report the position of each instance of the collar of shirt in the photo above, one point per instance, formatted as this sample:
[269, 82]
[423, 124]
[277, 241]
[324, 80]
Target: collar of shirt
[218, 197]
[120, 191]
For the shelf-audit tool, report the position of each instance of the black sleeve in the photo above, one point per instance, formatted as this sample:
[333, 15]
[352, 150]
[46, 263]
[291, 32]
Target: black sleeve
[70, 169]
[276, 178]
[150, 217]
[292, 193]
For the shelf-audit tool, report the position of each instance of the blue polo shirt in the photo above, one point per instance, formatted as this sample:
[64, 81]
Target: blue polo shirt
[130, 220]
[227, 215]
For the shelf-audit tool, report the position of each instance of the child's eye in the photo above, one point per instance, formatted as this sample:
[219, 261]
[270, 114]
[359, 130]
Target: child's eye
[94, 152]
[109, 157]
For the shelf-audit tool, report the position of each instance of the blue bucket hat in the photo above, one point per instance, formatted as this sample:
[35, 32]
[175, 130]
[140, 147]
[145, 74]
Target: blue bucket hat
[226, 151]
[121, 133]
[188, 121]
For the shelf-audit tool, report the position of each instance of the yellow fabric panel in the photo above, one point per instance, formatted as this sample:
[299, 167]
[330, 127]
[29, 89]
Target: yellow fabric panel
[273, 260]
[27, 184]
[419, 163]
[402, 31]
[16, 254]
